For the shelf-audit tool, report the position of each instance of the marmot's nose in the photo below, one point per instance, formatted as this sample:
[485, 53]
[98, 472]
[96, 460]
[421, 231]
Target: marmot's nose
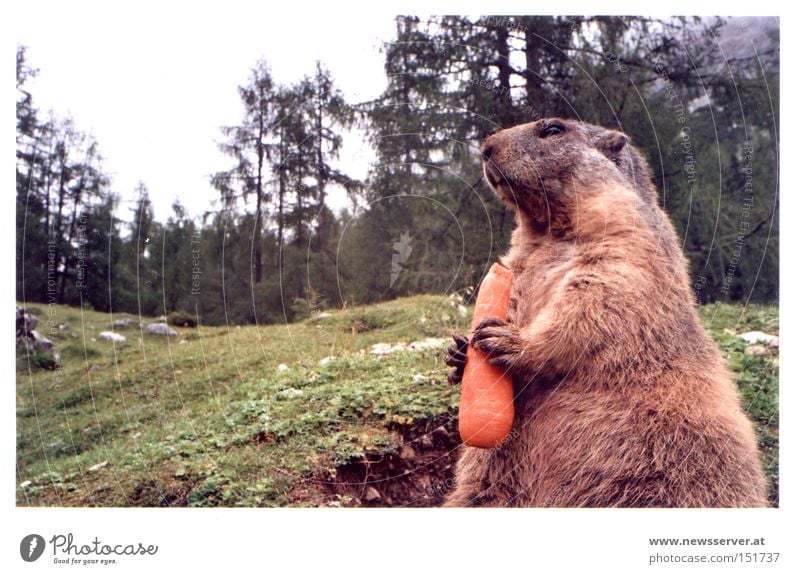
[486, 150]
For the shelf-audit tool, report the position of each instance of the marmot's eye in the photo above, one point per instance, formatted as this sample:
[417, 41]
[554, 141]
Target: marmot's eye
[551, 130]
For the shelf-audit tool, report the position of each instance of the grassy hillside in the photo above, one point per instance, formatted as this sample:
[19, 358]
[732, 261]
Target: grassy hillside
[303, 414]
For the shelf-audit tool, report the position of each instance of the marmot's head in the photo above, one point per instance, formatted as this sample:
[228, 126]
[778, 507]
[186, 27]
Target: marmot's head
[539, 167]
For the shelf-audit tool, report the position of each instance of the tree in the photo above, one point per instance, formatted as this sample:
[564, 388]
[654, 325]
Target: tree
[326, 114]
[247, 144]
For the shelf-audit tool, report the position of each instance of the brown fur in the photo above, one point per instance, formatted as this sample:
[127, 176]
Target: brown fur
[622, 399]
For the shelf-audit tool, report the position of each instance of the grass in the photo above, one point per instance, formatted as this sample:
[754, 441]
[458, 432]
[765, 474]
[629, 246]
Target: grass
[209, 418]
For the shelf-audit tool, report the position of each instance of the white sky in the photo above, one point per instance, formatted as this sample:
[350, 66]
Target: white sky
[154, 83]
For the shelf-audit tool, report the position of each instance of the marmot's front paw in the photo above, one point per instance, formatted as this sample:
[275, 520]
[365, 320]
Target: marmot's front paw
[457, 357]
[500, 340]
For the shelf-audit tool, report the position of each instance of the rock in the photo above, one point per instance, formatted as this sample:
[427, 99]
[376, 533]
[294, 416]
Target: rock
[754, 337]
[429, 343]
[282, 367]
[161, 329]
[774, 343]
[383, 348]
[111, 336]
[323, 316]
[290, 393]
[407, 452]
[418, 378]
[440, 433]
[25, 484]
[426, 441]
[325, 360]
[25, 322]
[98, 466]
[29, 339]
[162, 319]
[93, 340]
[756, 350]
[183, 342]
[122, 323]
[372, 494]
[425, 482]
[41, 341]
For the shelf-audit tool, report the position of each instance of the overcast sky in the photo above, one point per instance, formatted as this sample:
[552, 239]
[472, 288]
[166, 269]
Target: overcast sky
[154, 84]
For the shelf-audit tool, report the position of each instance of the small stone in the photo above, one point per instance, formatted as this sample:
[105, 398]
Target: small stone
[290, 393]
[282, 367]
[180, 473]
[25, 484]
[183, 342]
[418, 378]
[756, 350]
[407, 452]
[98, 466]
[754, 337]
[325, 360]
[372, 494]
[426, 441]
[161, 329]
[774, 343]
[425, 482]
[111, 336]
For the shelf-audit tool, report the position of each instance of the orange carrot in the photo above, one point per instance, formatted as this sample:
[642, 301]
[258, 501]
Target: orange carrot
[486, 411]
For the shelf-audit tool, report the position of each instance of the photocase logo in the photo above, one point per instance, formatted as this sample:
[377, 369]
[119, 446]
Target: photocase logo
[31, 547]
[402, 253]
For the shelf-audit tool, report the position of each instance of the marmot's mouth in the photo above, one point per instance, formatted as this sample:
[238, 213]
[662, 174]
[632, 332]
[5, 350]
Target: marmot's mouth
[493, 175]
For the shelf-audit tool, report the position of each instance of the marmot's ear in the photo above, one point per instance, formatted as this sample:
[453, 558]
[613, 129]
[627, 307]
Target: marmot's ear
[611, 143]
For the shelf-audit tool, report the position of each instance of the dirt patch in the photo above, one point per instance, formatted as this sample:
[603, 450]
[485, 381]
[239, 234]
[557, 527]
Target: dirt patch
[150, 493]
[418, 474]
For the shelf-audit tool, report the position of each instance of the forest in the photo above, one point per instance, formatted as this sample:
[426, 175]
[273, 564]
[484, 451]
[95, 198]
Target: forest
[699, 97]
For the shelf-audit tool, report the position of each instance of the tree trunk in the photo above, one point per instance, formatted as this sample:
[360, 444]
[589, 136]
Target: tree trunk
[259, 199]
[321, 178]
[533, 64]
[503, 109]
[76, 201]
[59, 215]
[281, 193]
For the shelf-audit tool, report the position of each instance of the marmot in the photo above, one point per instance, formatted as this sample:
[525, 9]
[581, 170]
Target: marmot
[622, 399]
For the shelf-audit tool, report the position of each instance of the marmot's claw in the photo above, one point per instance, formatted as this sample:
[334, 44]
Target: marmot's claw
[499, 339]
[457, 357]
[490, 322]
[461, 340]
[454, 378]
